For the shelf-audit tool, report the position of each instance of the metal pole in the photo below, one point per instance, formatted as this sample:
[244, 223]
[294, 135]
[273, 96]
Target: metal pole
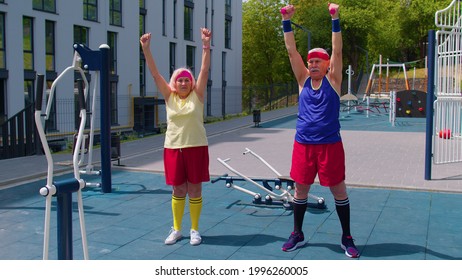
[307, 31]
[64, 190]
[430, 100]
[106, 181]
[64, 213]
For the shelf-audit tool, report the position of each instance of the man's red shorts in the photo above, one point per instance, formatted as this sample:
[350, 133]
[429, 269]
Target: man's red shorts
[186, 165]
[325, 160]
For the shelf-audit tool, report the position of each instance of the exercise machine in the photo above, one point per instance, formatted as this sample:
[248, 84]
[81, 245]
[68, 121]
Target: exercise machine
[277, 191]
[62, 189]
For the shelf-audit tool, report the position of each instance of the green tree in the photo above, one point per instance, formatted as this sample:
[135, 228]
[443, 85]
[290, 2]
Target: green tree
[417, 18]
[264, 56]
[395, 29]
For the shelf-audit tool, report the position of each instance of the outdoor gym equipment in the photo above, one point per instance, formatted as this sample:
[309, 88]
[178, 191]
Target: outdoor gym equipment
[89, 138]
[86, 146]
[349, 97]
[99, 61]
[284, 197]
[62, 189]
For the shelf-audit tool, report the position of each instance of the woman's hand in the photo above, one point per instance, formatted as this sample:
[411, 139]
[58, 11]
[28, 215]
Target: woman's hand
[145, 41]
[206, 36]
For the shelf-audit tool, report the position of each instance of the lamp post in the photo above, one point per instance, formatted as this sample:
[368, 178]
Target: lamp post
[307, 31]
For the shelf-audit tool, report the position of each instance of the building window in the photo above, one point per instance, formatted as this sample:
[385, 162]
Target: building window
[142, 24]
[228, 20]
[76, 103]
[112, 42]
[206, 14]
[142, 76]
[191, 58]
[142, 30]
[115, 11]
[172, 59]
[3, 102]
[2, 1]
[174, 18]
[114, 112]
[223, 66]
[81, 35]
[3, 93]
[44, 5]
[50, 45]
[90, 10]
[223, 83]
[2, 42]
[164, 15]
[27, 43]
[228, 7]
[51, 123]
[227, 33]
[212, 20]
[28, 92]
[188, 20]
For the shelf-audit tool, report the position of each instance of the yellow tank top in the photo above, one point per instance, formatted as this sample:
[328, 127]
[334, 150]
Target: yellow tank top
[185, 122]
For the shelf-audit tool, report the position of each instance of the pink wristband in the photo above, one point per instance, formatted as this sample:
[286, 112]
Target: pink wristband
[283, 11]
[205, 47]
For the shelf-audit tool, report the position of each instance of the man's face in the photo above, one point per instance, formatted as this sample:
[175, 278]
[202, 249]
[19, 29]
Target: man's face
[318, 67]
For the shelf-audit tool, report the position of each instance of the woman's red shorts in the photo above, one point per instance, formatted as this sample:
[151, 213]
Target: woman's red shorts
[186, 165]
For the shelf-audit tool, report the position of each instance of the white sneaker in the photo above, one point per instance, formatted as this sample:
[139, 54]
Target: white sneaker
[196, 238]
[173, 237]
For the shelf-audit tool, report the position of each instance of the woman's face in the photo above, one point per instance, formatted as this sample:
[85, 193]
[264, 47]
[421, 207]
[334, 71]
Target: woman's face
[183, 85]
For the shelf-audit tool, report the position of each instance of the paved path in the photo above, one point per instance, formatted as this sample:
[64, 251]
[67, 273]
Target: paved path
[378, 155]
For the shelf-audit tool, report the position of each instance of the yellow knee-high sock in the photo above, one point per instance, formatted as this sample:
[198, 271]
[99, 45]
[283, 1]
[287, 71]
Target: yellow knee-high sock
[178, 204]
[195, 208]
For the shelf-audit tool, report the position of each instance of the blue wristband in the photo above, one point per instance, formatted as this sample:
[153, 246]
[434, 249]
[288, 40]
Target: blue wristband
[287, 25]
[336, 25]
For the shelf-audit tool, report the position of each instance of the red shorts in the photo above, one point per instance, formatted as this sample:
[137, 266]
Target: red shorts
[186, 165]
[325, 160]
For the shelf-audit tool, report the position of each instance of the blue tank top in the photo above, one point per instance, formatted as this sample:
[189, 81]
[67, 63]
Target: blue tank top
[318, 114]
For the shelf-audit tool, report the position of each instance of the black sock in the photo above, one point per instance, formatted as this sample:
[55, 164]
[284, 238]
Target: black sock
[343, 212]
[299, 207]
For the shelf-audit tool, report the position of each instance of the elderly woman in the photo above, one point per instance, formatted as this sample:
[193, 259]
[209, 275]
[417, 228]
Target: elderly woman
[186, 156]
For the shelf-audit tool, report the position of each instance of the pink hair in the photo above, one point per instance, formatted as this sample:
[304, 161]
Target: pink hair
[175, 75]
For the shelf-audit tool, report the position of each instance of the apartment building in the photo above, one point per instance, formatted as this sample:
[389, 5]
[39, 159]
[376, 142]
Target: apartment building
[37, 37]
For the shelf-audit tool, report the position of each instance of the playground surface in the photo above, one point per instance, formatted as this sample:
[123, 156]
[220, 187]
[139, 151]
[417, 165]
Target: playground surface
[396, 214]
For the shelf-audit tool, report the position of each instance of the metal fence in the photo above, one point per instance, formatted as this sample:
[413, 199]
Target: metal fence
[447, 140]
[18, 136]
[269, 97]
